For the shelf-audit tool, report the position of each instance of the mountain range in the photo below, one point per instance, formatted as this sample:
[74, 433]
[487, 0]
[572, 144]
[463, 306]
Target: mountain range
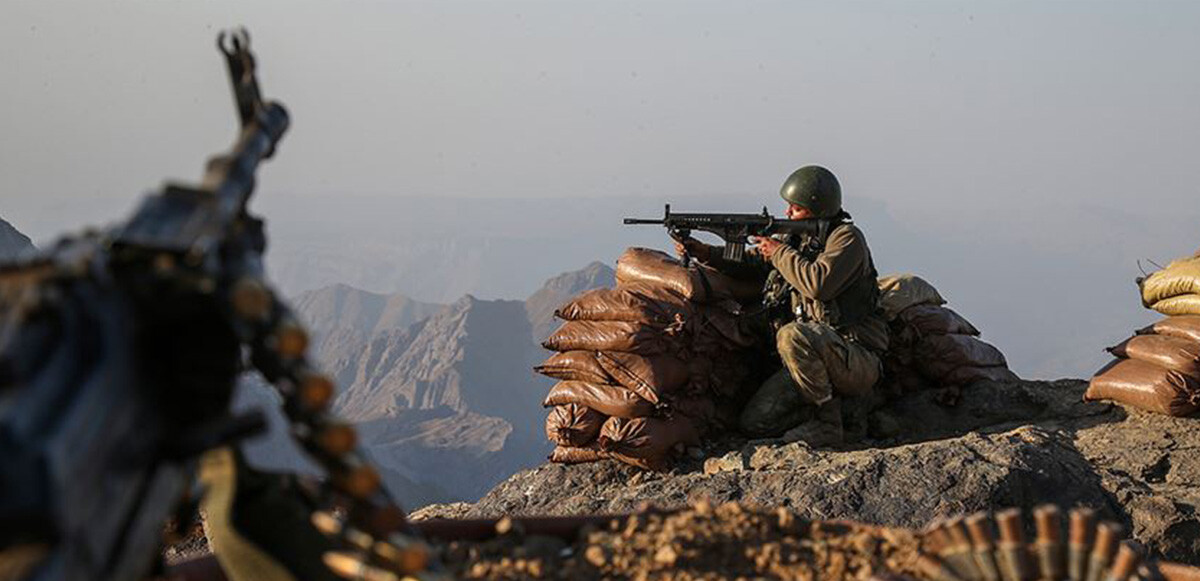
[12, 242]
[443, 395]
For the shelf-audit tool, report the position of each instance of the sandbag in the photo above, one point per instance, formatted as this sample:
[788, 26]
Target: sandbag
[647, 442]
[900, 379]
[573, 424]
[571, 455]
[938, 355]
[638, 303]
[651, 377]
[575, 366]
[1143, 385]
[1180, 277]
[1182, 326]
[901, 291]
[1179, 305]
[964, 376]
[930, 319]
[696, 283]
[1182, 355]
[610, 400]
[623, 336]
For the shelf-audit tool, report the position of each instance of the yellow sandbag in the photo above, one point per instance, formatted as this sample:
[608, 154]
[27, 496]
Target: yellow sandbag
[1179, 305]
[1181, 277]
[901, 291]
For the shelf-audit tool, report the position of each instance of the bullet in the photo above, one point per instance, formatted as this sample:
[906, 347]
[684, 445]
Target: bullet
[360, 481]
[1011, 552]
[1083, 522]
[251, 299]
[409, 555]
[336, 439]
[291, 340]
[326, 523]
[933, 569]
[1049, 546]
[959, 555]
[315, 391]
[330, 525]
[934, 538]
[350, 566]
[1129, 556]
[979, 525]
[1107, 535]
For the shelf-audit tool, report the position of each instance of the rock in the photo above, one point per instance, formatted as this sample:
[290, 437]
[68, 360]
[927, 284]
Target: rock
[1003, 445]
[727, 463]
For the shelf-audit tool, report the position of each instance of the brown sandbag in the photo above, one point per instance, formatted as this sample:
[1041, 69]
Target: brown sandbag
[570, 455]
[937, 356]
[638, 303]
[1180, 277]
[651, 377]
[937, 320]
[697, 283]
[1182, 326]
[573, 425]
[1143, 385]
[574, 366]
[610, 400]
[647, 442]
[623, 336]
[1181, 355]
[901, 291]
[964, 376]
[1179, 305]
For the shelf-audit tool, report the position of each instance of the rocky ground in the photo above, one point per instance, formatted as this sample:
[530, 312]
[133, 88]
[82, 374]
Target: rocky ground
[1002, 445]
[705, 541]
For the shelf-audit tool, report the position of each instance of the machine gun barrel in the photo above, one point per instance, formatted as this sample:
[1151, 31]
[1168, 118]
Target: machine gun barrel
[194, 222]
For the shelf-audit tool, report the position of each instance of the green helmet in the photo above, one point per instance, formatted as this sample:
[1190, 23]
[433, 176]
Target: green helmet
[815, 188]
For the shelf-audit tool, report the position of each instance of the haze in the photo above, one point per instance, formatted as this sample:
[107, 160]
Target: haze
[1022, 155]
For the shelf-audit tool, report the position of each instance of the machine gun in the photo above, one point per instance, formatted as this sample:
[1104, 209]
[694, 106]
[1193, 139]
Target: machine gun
[119, 351]
[736, 229]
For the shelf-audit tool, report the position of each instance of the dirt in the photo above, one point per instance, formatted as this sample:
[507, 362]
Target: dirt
[729, 541]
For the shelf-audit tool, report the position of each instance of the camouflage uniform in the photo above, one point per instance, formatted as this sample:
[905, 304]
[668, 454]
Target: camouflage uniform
[821, 299]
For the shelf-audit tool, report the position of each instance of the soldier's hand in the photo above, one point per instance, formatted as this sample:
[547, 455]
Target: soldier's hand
[694, 248]
[764, 246]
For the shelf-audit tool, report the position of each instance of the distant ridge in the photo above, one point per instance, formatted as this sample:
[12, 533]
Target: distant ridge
[12, 242]
[444, 395]
[541, 305]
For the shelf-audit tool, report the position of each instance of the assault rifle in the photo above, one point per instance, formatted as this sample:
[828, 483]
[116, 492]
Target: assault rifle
[735, 229]
[119, 350]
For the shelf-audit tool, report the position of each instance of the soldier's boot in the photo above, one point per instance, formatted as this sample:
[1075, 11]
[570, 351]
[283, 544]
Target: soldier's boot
[823, 430]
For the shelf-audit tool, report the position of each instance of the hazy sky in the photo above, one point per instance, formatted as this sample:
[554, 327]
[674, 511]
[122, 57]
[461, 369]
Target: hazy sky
[1023, 155]
[946, 110]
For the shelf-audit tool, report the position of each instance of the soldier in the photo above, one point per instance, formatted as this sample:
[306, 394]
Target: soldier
[821, 299]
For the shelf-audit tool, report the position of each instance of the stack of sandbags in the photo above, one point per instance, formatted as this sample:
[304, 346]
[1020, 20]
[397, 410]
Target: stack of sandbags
[931, 346]
[645, 368]
[1158, 369]
[1174, 290]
